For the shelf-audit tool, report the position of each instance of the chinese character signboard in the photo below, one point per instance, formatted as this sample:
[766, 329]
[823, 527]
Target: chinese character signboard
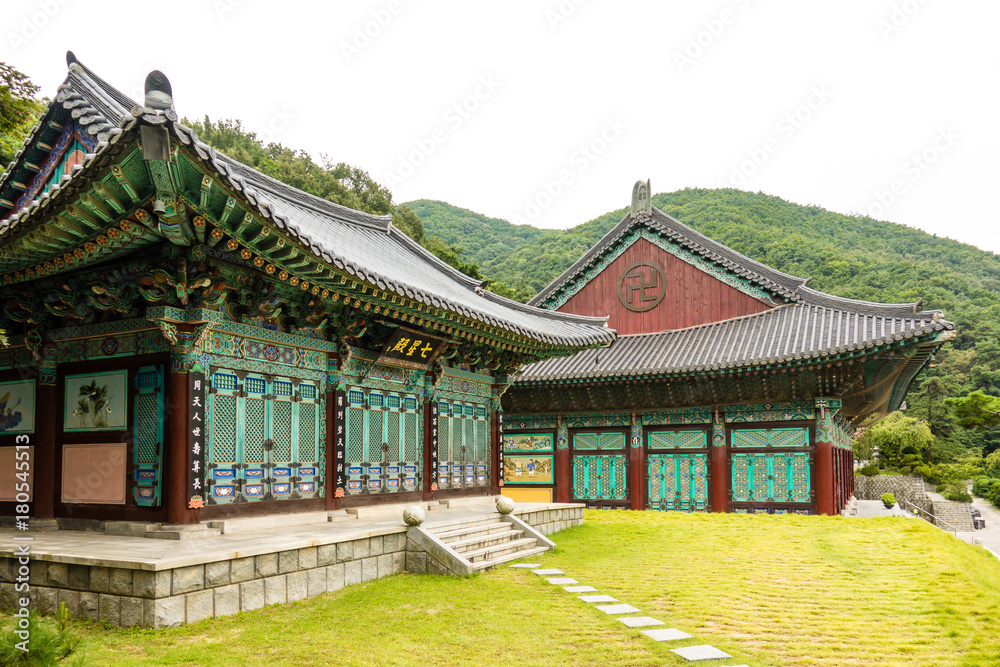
[501, 441]
[196, 438]
[434, 444]
[412, 349]
[339, 443]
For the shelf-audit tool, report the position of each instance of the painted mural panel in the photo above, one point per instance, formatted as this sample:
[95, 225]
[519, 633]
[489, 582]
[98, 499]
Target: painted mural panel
[519, 469]
[528, 442]
[94, 473]
[96, 402]
[17, 407]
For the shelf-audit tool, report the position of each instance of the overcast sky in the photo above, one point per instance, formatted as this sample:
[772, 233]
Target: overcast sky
[548, 111]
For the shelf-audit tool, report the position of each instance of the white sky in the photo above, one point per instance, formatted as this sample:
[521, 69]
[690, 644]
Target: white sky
[903, 95]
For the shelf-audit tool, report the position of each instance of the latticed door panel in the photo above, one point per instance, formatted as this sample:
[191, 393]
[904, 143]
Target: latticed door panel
[678, 482]
[148, 450]
[780, 478]
[600, 477]
[463, 445]
[384, 441]
[267, 438]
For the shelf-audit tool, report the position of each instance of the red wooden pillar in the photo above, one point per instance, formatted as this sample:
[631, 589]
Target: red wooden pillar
[719, 463]
[430, 474]
[564, 482]
[44, 491]
[823, 478]
[176, 450]
[496, 473]
[637, 472]
[332, 501]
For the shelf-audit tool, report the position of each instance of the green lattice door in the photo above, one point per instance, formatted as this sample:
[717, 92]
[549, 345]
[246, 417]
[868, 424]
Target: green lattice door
[463, 445]
[267, 438]
[782, 478]
[600, 468]
[678, 482]
[384, 441]
[148, 451]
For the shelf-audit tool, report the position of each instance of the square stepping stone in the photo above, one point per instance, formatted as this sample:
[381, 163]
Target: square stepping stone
[639, 621]
[598, 598]
[580, 589]
[559, 581]
[617, 608]
[666, 634]
[700, 652]
[528, 566]
[548, 573]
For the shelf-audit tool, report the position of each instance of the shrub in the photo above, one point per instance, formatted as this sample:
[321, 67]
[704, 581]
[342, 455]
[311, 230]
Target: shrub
[940, 487]
[958, 496]
[49, 641]
[924, 472]
[910, 449]
[982, 486]
[888, 499]
[905, 470]
[870, 471]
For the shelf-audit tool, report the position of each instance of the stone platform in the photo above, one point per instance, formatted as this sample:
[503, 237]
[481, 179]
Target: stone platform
[154, 583]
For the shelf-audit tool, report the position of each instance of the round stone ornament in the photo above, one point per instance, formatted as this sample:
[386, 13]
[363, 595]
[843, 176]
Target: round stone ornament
[505, 505]
[413, 515]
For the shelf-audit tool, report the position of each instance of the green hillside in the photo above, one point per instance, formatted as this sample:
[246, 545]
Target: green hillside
[849, 256]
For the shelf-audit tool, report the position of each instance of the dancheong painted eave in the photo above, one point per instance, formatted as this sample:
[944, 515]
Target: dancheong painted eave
[354, 247]
[783, 335]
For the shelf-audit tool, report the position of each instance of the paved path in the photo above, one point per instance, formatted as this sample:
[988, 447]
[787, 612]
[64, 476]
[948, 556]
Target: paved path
[989, 536]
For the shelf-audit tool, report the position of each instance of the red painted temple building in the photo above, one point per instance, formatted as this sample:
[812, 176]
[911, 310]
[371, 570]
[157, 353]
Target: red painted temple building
[731, 387]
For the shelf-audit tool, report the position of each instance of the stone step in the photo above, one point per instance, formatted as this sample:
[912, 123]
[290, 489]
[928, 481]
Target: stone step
[479, 566]
[254, 523]
[466, 528]
[480, 541]
[194, 531]
[455, 534]
[488, 553]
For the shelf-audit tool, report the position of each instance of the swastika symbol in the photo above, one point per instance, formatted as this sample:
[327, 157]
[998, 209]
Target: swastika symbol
[641, 286]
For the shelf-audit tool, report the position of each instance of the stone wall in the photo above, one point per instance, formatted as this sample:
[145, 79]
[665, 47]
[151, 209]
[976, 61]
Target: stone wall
[167, 598]
[552, 520]
[904, 487]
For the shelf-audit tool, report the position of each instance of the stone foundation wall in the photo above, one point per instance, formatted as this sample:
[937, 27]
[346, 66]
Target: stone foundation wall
[552, 520]
[168, 598]
[904, 487]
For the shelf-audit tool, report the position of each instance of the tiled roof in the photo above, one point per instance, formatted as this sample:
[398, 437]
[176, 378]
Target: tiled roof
[792, 332]
[363, 245]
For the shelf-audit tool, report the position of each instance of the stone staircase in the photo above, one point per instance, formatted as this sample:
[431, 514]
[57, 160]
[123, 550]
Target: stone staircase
[952, 515]
[474, 545]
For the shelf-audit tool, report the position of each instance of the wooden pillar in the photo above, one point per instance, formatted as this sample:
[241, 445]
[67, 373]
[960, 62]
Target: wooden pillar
[496, 473]
[719, 462]
[563, 479]
[637, 470]
[823, 478]
[44, 492]
[176, 449]
[332, 501]
[430, 425]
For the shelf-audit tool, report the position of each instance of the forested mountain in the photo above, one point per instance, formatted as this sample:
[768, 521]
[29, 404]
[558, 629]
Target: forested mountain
[849, 256]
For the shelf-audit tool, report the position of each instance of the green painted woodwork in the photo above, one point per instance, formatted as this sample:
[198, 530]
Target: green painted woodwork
[267, 438]
[783, 478]
[598, 441]
[147, 452]
[677, 482]
[384, 441]
[677, 440]
[463, 445]
[600, 477]
[771, 437]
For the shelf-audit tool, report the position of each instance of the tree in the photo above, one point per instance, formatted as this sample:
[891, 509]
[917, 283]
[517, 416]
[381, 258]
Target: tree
[896, 432]
[18, 111]
[976, 410]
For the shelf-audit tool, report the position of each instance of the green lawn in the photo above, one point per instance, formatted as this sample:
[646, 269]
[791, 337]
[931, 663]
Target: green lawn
[772, 591]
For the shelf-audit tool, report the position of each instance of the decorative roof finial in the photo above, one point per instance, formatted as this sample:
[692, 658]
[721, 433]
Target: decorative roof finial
[71, 59]
[159, 95]
[642, 199]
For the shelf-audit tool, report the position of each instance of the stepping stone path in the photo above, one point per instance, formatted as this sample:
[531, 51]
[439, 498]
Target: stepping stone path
[690, 653]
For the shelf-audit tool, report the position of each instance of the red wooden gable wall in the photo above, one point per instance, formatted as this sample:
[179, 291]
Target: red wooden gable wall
[691, 296]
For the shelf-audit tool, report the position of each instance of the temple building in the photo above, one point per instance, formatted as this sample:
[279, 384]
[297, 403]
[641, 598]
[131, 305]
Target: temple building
[191, 339]
[731, 387]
